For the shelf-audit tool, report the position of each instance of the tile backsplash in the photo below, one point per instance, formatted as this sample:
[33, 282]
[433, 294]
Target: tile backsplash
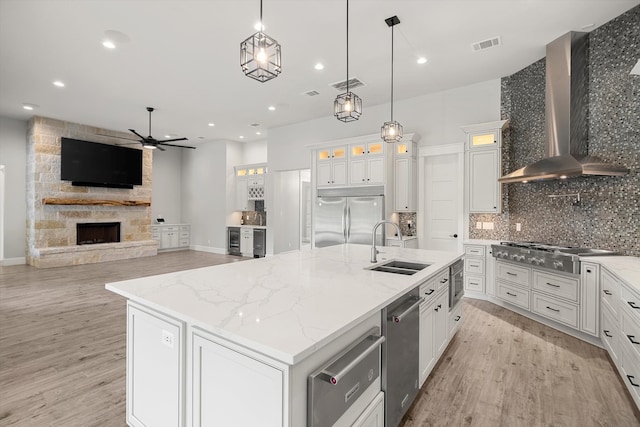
[253, 218]
[608, 214]
[407, 222]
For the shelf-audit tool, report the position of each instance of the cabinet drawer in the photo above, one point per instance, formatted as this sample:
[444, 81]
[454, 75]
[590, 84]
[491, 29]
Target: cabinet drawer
[442, 279]
[630, 364]
[155, 236]
[554, 309]
[169, 228]
[631, 302]
[395, 243]
[474, 250]
[428, 291]
[185, 227]
[610, 334]
[564, 287]
[155, 229]
[474, 283]
[184, 234]
[184, 242]
[474, 265]
[630, 332]
[513, 273]
[610, 291]
[455, 319]
[513, 295]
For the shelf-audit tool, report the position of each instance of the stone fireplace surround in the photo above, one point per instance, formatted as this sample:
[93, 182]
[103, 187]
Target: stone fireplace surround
[55, 207]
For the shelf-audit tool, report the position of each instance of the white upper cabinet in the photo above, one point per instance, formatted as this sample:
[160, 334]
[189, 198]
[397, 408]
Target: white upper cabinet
[367, 163]
[331, 166]
[483, 166]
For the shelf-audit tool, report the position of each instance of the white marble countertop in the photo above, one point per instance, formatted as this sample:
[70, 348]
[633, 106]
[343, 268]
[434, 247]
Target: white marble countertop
[625, 267]
[262, 227]
[288, 305]
[481, 242]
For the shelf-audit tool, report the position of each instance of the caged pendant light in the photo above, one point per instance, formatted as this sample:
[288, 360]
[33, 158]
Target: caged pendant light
[260, 55]
[391, 131]
[348, 106]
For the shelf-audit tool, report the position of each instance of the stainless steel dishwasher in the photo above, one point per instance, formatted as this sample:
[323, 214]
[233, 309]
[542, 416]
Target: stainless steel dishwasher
[339, 383]
[400, 359]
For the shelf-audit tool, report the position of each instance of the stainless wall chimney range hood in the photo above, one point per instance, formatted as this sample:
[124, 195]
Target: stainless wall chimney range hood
[566, 102]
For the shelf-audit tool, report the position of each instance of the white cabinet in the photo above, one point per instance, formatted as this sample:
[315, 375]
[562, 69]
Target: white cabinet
[455, 319]
[331, 166]
[224, 380]
[404, 243]
[367, 163]
[246, 241]
[373, 416]
[589, 298]
[242, 194]
[479, 266]
[483, 166]
[155, 367]
[250, 185]
[171, 236]
[405, 184]
[441, 330]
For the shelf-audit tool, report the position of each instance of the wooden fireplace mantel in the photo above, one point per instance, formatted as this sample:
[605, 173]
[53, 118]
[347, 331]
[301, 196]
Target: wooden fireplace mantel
[94, 202]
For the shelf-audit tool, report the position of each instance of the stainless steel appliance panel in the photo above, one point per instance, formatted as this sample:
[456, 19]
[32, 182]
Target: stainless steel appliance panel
[334, 387]
[456, 283]
[400, 367]
[362, 214]
[233, 240]
[259, 242]
[330, 221]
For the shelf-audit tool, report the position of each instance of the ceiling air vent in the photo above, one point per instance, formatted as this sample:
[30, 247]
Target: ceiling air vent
[486, 44]
[311, 93]
[341, 86]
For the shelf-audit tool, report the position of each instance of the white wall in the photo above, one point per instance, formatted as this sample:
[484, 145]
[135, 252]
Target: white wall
[253, 152]
[166, 198]
[286, 216]
[13, 155]
[436, 117]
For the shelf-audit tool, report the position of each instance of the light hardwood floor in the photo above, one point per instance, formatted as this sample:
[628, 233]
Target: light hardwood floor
[62, 358]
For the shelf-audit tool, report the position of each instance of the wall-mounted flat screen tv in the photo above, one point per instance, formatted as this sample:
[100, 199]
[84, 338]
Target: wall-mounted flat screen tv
[100, 165]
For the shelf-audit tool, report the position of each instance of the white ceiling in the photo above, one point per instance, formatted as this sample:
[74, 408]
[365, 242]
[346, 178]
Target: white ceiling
[182, 56]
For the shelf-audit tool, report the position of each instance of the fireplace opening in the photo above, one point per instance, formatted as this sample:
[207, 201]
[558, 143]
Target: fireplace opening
[98, 232]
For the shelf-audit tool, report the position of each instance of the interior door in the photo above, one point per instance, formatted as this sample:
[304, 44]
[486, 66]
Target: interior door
[443, 208]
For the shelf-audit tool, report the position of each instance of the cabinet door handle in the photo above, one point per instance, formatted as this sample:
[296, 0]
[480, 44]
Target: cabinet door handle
[633, 305]
[606, 292]
[444, 280]
[553, 284]
[430, 292]
[438, 307]
[631, 338]
[511, 274]
[630, 378]
[607, 333]
[512, 295]
[553, 309]
[457, 318]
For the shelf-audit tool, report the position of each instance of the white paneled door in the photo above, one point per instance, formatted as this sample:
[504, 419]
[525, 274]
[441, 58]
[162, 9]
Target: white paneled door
[442, 187]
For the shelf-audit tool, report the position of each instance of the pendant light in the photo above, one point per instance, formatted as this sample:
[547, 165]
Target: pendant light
[260, 55]
[348, 106]
[391, 131]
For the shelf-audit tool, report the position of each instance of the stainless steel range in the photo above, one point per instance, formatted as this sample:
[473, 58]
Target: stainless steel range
[551, 257]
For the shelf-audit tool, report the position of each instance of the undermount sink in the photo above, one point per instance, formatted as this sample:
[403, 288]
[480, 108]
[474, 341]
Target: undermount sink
[400, 267]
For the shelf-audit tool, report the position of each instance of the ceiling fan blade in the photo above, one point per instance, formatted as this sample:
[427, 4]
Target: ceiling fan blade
[174, 145]
[171, 140]
[137, 134]
[136, 142]
[159, 148]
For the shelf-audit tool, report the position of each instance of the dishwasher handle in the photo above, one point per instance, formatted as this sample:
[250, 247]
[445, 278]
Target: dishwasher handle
[397, 318]
[334, 378]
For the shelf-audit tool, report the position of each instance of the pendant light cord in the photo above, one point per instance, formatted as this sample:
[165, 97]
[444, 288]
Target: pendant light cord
[261, 26]
[347, 46]
[392, 72]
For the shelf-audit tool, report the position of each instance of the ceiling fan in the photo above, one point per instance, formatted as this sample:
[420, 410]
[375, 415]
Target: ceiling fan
[151, 142]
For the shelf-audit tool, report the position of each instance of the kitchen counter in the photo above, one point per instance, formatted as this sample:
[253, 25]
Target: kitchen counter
[481, 242]
[626, 267]
[261, 227]
[286, 306]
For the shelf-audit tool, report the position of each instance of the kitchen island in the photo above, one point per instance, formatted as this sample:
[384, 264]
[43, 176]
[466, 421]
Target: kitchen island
[233, 344]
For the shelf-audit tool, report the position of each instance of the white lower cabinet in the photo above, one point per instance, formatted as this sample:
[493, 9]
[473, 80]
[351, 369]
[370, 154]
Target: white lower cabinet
[224, 380]
[246, 241]
[155, 369]
[171, 236]
[455, 319]
[434, 332]
[373, 416]
[427, 354]
[610, 334]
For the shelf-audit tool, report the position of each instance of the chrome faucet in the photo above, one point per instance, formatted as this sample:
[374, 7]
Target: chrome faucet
[374, 251]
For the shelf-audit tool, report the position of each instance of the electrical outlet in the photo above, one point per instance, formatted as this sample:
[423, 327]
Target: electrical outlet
[518, 226]
[167, 338]
[479, 225]
[487, 225]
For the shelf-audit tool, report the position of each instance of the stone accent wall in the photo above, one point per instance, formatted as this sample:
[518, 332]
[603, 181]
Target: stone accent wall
[51, 229]
[608, 215]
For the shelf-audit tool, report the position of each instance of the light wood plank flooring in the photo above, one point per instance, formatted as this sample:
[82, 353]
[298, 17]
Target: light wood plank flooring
[62, 358]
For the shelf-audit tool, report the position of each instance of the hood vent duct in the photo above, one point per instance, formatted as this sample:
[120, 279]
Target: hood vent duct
[566, 103]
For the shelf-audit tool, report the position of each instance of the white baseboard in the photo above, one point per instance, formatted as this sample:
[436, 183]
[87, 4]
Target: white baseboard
[13, 261]
[209, 249]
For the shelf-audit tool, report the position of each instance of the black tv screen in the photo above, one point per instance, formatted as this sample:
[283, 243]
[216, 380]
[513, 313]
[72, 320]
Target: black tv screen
[100, 165]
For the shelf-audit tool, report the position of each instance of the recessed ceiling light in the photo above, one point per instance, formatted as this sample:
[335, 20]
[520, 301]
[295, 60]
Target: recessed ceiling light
[422, 60]
[168, 136]
[241, 137]
[58, 83]
[258, 133]
[212, 124]
[29, 107]
[272, 108]
[109, 44]
[319, 66]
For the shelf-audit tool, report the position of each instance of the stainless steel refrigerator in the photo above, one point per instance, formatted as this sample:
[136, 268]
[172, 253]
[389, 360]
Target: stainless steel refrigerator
[348, 216]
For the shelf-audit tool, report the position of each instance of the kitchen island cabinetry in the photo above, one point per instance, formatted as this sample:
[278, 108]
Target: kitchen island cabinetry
[259, 328]
[171, 236]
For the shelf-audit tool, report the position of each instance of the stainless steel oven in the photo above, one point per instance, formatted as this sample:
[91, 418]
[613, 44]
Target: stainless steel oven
[456, 283]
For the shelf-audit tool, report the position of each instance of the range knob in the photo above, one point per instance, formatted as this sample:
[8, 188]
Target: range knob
[514, 257]
[520, 258]
[503, 254]
[558, 265]
[536, 261]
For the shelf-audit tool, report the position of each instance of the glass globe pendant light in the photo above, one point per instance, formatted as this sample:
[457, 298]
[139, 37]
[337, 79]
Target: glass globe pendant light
[391, 131]
[348, 106]
[260, 55]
